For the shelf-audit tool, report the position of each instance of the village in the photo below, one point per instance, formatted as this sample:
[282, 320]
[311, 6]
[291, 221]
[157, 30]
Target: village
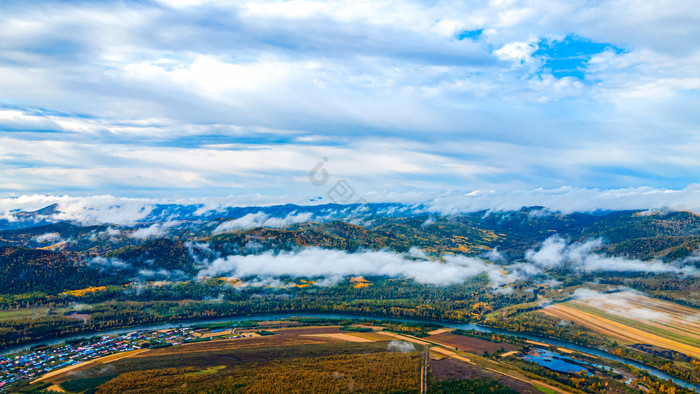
[42, 359]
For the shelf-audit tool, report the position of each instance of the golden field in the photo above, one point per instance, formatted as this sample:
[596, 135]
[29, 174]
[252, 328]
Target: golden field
[630, 318]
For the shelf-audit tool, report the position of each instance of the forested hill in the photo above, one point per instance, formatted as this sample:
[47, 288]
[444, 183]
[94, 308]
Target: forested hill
[53, 257]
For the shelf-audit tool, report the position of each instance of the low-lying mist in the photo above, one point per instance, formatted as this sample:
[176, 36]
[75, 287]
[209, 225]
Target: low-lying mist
[316, 262]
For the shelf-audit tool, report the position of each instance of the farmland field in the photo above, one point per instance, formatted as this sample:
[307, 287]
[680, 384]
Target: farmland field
[469, 344]
[343, 337]
[276, 340]
[632, 318]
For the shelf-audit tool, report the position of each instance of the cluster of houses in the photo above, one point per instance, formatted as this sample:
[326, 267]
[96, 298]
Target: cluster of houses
[41, 360]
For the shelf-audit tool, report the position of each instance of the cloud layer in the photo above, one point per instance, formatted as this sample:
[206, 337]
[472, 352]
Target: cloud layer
[261, 219]
[555, 252]
[187, 98]
[333, 265]
[313, 262]
[129, 211]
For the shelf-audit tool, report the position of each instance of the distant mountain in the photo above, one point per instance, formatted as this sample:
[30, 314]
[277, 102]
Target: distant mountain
[156, 255]
[621, 226]
[25, 270]
[669, 235]
[30, 236]
[198, 212]
[22, 219]
[169, 212]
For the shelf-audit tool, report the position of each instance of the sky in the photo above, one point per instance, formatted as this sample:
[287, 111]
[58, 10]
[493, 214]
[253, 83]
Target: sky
[187, 99]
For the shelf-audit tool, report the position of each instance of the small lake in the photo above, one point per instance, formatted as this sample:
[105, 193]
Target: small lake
[554, 361]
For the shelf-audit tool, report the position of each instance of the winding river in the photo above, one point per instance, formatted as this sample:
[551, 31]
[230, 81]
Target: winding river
[465, 326]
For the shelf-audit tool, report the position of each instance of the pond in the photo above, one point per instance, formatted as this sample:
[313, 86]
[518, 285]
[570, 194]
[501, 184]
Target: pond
[554, 361]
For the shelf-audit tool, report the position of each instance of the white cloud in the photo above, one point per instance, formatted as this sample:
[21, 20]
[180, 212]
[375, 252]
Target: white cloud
[313, 262]
[550, 254]
[154, 230]
[570, 199]
[100, 209]
[518, 51]
[48, 237]
[556, 252]
[417, 253]
[217, 79]
[85, 210]
[106, 262]
[400, 346]
[520, 271]
[551, 282]
[185, 3]
[601, 263]
[112, 232]
[161, 273]
[261, 219]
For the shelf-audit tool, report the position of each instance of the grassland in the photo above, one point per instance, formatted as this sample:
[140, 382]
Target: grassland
[34, 313]
[343, 337]
[373, 372]
[631, 318]
[288, 362]
[545, 389]
[469, 344]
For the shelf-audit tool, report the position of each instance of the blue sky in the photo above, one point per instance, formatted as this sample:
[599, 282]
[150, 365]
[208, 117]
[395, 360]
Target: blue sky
[193, 98]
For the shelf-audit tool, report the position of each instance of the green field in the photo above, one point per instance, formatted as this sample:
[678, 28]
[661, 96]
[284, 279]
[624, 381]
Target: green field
[36, 313]
[545, 389]
[23, 314]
